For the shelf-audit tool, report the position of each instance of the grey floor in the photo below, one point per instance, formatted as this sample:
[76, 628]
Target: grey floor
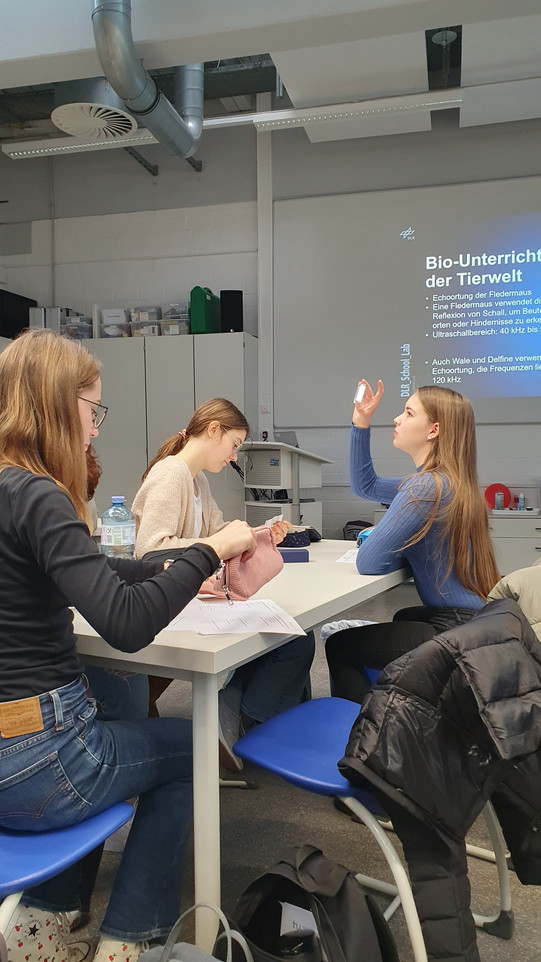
[258, 825]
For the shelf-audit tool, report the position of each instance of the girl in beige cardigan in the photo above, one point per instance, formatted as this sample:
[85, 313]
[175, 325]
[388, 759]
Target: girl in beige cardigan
[173, 508]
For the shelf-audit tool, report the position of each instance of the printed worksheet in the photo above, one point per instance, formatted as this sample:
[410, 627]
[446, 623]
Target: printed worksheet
[239, 617]
[349, 557]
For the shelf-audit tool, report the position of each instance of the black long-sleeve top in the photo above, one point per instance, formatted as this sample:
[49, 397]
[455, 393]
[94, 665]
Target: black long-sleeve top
[48, 562]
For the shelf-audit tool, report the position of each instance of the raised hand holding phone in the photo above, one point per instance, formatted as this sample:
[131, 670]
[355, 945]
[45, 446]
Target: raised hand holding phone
[364, 408]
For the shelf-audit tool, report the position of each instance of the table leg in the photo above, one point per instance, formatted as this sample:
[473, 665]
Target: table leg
[206, 791]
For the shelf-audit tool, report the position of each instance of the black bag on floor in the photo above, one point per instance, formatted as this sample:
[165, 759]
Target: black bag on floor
[349, 924]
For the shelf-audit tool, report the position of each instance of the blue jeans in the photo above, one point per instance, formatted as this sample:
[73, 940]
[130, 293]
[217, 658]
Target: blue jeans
[118, 694]
[277, 680]
[78, 766]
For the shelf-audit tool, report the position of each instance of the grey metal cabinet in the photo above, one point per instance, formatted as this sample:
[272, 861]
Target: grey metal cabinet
[225, 365]
[516, 540]
[122, 442]
[170, 387]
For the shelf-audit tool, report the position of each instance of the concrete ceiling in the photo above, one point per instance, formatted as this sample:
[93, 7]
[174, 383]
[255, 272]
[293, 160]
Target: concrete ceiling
[325, 52]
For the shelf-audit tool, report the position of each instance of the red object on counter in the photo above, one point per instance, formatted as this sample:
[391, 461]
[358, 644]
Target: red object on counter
[490, 494]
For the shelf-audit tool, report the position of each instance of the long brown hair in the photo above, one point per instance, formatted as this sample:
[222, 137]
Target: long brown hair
[453, 455]
[41, 376]
[218, 409]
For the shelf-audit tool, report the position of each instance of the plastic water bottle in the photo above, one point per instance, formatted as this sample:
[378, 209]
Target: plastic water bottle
[521, 501]
[118, 530]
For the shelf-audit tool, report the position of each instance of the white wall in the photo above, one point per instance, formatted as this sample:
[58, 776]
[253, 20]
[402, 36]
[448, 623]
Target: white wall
[149, 257]
[122, 236]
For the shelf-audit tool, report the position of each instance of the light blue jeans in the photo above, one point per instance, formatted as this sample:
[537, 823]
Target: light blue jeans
[78, 766]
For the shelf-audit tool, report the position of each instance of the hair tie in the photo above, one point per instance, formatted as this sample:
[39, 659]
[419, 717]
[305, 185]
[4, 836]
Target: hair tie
[183, 433]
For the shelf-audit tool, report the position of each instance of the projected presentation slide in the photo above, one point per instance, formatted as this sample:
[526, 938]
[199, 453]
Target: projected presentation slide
[484, 310]
[434, 286]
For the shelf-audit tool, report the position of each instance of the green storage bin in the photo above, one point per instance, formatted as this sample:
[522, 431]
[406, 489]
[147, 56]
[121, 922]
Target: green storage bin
[204, 311]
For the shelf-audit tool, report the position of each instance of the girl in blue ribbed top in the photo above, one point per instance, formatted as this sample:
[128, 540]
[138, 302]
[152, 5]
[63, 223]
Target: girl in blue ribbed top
[436, 523]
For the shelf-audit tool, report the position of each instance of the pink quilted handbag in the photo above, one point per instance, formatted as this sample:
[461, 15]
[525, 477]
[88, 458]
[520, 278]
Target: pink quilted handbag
[240, 577]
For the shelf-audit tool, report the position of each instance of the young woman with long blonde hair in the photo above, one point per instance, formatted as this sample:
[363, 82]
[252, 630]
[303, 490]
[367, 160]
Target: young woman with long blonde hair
[436, 522]
[62, 765]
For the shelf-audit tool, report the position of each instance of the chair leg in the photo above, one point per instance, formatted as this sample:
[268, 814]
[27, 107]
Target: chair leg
[403, 887]
[241, 782]
[7, 909]
[502, 924]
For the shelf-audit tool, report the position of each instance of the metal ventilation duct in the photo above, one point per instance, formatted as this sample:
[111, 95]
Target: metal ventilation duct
[111, 21]
[91, 110]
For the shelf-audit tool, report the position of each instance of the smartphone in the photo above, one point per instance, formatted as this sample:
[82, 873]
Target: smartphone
[359, 394]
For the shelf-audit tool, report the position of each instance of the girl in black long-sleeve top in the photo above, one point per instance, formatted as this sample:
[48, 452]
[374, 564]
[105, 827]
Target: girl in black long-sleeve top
[58, 765]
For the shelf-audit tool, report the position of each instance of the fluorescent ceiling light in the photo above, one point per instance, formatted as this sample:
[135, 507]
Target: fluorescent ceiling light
[271, 120]
[276, 119]
[18, 150]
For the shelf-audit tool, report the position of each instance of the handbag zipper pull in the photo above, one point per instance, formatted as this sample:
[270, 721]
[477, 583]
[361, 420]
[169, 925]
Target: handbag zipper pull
[226, 586]
[221, 575]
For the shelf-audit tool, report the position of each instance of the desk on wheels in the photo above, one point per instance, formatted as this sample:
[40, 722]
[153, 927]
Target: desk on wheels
[311, 593]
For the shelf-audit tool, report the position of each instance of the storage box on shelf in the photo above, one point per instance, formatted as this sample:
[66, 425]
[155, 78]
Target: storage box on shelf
[145, 321]
[176, 319]
[144, 328]
[77, 327]
[175, 325]
[115, 322]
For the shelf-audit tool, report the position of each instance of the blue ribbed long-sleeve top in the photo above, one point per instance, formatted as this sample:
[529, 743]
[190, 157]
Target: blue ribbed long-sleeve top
[410, 503]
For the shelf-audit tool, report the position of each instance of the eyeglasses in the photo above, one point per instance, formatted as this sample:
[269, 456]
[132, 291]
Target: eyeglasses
[99, 411]
[236, 443]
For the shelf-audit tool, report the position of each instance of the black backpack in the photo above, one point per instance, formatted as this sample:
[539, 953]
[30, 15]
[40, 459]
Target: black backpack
[352, 528]
[350, 925]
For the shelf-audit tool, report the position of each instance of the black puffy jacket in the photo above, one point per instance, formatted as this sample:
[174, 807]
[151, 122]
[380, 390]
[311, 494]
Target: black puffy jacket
[446, 727]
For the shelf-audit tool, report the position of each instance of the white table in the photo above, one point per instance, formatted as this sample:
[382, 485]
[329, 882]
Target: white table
[311, 593]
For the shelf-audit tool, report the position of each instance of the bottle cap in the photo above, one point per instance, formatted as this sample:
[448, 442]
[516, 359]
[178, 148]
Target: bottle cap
[118, 499]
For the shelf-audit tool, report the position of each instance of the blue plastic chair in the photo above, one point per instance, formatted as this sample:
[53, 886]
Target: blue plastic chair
[29, 858]
[303, 746]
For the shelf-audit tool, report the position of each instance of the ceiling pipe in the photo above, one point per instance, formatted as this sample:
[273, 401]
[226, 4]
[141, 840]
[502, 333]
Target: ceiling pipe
[111, 22]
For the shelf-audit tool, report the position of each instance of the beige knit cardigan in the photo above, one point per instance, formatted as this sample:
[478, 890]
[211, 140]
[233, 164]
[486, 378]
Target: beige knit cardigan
[164, 508]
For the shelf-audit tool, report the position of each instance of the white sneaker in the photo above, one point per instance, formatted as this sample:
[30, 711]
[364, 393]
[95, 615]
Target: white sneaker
[333, 626]
[73, 920]
[115, 950]
[35, 935]
[81, 951]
